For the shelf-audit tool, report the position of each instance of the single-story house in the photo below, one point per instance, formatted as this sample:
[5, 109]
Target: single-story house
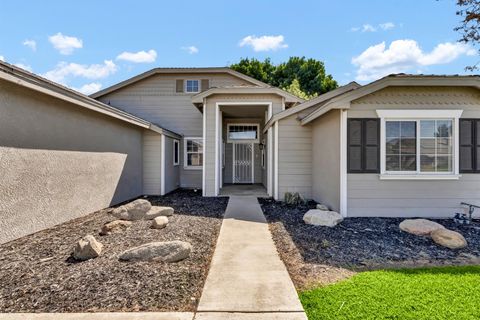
[404, 145]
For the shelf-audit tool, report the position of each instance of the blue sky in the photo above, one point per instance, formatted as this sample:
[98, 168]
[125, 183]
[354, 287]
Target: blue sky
[90, 45]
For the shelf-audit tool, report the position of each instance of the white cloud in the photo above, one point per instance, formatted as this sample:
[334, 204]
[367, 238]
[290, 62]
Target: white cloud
[138, 57]
[89, 88]
[403, 56]
[65, 44]
[31, 44]
[64, 70]
[191, 49]
[23, 66]
[264, 43]
[368, 28]
[2, 58]
[387, 25]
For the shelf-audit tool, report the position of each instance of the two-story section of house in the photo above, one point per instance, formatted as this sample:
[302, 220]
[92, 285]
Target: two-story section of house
[219, 114]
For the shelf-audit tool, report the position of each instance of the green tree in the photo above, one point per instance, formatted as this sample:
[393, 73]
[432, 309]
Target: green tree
[309, 73]
[294, 88]
[469, 28]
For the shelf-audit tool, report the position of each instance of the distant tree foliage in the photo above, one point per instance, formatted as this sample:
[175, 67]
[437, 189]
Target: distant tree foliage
[469, 11]
[305, 78]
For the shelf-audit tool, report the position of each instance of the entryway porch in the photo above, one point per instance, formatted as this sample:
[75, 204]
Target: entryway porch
[257, 190]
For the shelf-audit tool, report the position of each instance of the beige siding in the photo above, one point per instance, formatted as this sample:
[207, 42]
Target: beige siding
[464, 98]
[155, 99]
[59, 161]
[294, 157]
[152, 159]
[367, 195]
[326, 159]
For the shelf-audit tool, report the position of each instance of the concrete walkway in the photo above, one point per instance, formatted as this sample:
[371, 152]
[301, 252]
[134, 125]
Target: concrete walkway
[246, 276]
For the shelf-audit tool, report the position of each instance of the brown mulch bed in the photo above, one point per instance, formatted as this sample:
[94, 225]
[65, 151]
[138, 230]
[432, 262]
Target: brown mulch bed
[37, 273]
[322, 255]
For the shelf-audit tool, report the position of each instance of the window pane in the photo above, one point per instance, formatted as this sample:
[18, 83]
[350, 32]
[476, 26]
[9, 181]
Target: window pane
[408, 163]
[393, 129]
[408, 129]
[444, 146]
[444, 128]
[408, 146]
[427, 128]
[240, 132]
[427, 163]
[444, 163]
[436, 149]
[393, 146]
[427, 146]
[392, 163]
[401, 149]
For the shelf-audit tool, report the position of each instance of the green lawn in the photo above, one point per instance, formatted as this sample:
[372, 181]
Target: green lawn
[430, 293]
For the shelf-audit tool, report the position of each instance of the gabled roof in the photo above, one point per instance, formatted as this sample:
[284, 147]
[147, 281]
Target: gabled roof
[398, 80]
[289, 98]
[311, 103]
[152, 72]
[34, 82]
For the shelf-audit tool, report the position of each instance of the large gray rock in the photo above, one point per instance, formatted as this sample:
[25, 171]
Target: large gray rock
[135, 210]
[115, 227]
[448, 238]
[170, 251]
[419, 227]
[322, 218]
[87, 248]
[159, 222]
[156, 211]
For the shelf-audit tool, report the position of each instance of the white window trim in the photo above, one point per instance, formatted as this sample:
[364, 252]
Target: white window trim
[176, 142]
[185, 155]
[199, 86]
[416, 115]
[243, 140]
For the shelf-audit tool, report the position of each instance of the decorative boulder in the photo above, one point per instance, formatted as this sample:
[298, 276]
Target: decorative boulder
[158, 212]
[159, 222]
[322, 218]
[448, 238]
[322, 207]
[87, 248]
[170, 251]
[135, 210]
[115, 227]
[419, 227]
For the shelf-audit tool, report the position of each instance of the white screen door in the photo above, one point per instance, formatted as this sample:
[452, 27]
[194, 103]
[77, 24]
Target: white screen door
[242, 162]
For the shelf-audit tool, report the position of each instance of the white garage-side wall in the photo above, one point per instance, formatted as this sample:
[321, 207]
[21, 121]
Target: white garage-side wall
[59, 161]
[370, 196]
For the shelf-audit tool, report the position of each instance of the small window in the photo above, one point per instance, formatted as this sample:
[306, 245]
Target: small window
[176, 152]
[192, 86]
[243, 132]
[193, 153]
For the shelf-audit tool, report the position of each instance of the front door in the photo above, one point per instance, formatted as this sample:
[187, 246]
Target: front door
[243, 163]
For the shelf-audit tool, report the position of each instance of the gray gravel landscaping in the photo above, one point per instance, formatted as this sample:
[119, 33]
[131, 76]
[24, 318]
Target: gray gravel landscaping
[323, 254]
[38, 274]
